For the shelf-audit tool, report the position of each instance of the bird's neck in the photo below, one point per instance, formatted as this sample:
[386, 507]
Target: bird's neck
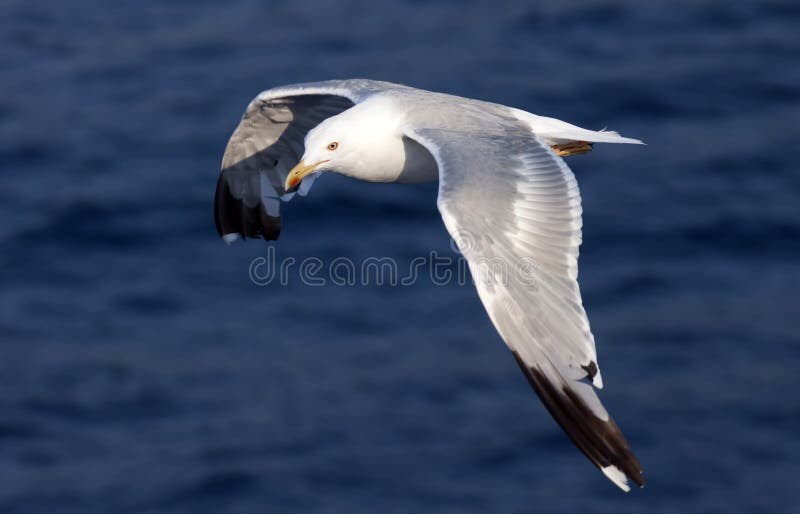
[393, 158]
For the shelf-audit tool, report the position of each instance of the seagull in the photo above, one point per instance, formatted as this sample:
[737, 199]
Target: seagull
[505, 195]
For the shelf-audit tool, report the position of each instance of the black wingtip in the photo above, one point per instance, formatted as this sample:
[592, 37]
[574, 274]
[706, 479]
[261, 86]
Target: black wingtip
[600, 440]
[232, 216]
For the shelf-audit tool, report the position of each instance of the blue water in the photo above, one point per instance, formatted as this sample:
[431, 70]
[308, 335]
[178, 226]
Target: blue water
[141, 371]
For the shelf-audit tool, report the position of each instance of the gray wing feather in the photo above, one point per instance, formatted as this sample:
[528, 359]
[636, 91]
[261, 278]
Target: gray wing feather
[267, 144]
[513, 207]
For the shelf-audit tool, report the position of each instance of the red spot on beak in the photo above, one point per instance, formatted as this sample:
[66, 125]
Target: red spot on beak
[293, 182]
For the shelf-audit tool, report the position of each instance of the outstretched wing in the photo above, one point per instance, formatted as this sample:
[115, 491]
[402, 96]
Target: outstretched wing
[514, 209]
[266, 145]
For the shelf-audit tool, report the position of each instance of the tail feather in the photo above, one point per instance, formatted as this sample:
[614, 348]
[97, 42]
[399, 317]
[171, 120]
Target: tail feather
[555, 132]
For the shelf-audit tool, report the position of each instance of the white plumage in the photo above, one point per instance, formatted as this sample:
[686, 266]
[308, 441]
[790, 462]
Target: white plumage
[507, 198]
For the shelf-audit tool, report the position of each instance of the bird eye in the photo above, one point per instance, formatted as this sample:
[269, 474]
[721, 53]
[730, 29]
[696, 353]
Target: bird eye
[333, 146]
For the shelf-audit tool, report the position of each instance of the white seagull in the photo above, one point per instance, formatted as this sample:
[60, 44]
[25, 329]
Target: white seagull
[505, 195]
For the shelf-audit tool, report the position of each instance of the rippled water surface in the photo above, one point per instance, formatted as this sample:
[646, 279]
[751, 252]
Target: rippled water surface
[142, 371]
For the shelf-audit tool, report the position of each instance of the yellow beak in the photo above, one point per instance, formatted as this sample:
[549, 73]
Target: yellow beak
[298, 172]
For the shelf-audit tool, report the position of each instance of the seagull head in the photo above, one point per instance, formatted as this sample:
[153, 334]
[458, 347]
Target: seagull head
[327, 147]
[363, 142]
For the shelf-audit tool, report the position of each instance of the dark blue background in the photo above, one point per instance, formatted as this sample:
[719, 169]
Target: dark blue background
[142, 371]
